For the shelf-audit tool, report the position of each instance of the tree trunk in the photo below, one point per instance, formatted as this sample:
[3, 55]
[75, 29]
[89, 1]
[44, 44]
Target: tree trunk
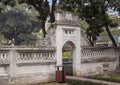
[38, 4]
[110, 36]
[91, 41]
[52, 16]
[43, 28]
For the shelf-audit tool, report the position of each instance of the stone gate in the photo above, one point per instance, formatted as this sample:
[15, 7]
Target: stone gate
[65, 29]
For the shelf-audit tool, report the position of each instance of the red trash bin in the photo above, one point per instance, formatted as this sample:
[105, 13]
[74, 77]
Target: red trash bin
[60, 75]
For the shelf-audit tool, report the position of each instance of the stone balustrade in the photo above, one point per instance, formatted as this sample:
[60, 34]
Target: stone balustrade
[98, 54]
[4, 59]
[27, 62]
[35, 56]
[30, 55]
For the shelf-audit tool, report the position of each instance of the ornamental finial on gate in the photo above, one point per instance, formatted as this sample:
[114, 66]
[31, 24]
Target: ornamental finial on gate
[66, 18]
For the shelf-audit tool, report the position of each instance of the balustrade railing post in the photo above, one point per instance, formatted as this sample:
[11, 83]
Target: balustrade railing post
[13, 63]
[117, 58]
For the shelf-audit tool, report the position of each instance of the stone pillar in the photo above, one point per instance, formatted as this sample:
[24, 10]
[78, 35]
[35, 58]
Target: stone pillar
[77, 56]
[13, 63]
[59, 46]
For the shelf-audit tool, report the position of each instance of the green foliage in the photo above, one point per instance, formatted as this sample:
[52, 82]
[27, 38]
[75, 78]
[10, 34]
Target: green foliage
[70, 5]
[16, 25]
[114, 22]
[79, 82]
[74, 82]
[39, 4]
[111, 78]
[10, 2]
[94, 19]
[1, 37]
[115, 4]
[26, 39]
[66, 54]
[29, 10]
[43, 8]
[6, 5]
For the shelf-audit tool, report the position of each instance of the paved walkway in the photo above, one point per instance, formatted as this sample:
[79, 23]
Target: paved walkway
[93, 80]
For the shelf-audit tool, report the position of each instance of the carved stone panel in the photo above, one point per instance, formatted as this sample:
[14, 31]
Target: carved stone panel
[62, 17]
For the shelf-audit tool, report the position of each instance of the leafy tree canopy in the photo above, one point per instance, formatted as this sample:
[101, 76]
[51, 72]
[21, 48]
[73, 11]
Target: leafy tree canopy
[15, 25]
[94, 13]
[42, 7]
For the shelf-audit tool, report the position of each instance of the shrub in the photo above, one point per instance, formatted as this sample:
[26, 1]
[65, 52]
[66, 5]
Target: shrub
[111, 79]
[79, 82]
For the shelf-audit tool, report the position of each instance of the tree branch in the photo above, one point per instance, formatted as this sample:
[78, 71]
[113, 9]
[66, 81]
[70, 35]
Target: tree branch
[32, 2]
[52, 17]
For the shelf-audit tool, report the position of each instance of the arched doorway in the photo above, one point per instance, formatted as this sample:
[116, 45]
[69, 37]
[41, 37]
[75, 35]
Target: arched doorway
[68, 56]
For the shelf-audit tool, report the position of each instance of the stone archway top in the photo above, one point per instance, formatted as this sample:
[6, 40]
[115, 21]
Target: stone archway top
[66, 18]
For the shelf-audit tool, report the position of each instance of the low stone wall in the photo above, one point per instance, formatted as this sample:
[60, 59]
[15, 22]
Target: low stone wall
[99, 60]
[26, 65]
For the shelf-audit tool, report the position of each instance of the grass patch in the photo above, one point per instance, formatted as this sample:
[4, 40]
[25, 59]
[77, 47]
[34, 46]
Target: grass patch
[79, 82]
[73, 82]
[111, 78]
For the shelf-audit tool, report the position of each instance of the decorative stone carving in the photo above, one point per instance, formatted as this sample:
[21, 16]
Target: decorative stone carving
[49, 40]
[36, 56]
[68, 18]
